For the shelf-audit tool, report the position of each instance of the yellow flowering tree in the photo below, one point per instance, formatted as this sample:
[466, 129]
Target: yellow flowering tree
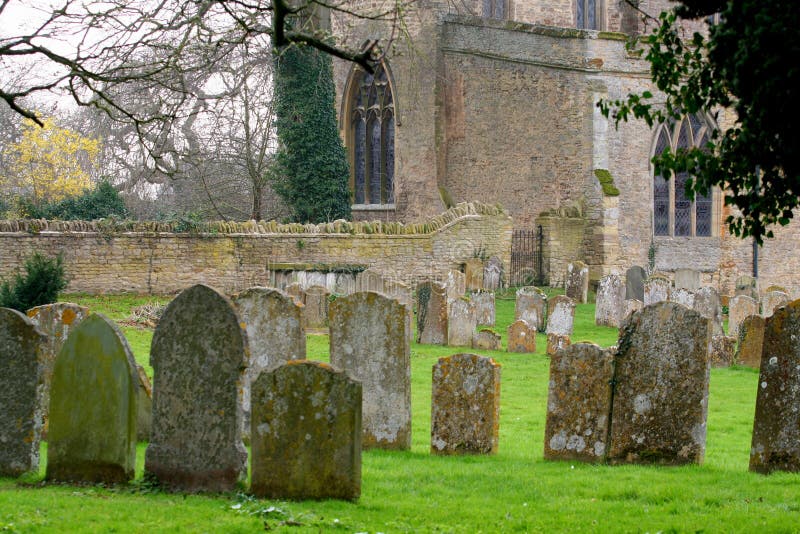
[49, 163]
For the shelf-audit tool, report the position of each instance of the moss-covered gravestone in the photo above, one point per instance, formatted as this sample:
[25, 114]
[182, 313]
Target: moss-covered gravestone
[776, 428]
[576, 282]
[306, 433]
[276, 333]
[751, 341]
[92, 436]
[316, 300]
[660, 400]
[521, 337]
[431, 313]
[579, 403]
[370, 340]
[199, 354]
[21, 379]
[465, 407]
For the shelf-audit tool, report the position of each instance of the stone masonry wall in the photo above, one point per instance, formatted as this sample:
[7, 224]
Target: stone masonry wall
[237, 256]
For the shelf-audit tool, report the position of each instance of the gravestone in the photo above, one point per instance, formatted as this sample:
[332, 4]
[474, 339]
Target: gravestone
[461, 323]
[92, 434]
[521, 337]
[688, 279]
[661, 396]
[531, 306]
[773, 300]
[55, 321]
[431, 313]
[634, 283]
[632, 305]
[486, 339]
[493, 274]
[682, 296]
[199, 355]
[344, 284]
[144, 405]
[610, 302]
[722, 351]
[746, 285]
[296, 292]
[473, 274]
[456, 284]
[483, 301]
[21, 380]
[370, 340]
[306, 433]
[579, 403]
[400, 292]
[369, 280]
[740, 307]
[276, 333]
[656, 289]
[776, 427]
[560, 318]
[315, 312]
[751, 340]
[316, 278]
[576, 282]
[708, 304]
[465, 405]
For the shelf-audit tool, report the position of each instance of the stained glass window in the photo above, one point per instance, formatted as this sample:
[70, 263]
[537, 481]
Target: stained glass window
[372, 137]
[674, 212]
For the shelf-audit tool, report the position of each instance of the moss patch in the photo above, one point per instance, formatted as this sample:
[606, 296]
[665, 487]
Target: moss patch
[606, 182]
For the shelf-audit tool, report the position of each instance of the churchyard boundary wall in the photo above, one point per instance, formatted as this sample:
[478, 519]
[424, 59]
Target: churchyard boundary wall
[158, 258]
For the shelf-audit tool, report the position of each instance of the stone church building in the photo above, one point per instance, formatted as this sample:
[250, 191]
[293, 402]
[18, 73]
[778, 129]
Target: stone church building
[494, 100]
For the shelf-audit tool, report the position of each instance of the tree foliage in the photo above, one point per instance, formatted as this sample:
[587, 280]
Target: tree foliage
[49, 164]
[44, 278]
[747, 62]
[100, 202]
[312, 172]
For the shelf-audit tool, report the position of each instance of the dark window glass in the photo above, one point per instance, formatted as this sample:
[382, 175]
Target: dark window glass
[359, 160]
[591, 15]
[388, 135]
[661, 206]
[374, 141]
[580, 14]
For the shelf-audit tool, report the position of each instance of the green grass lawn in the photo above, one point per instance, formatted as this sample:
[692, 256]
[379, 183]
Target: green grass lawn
[515, 490]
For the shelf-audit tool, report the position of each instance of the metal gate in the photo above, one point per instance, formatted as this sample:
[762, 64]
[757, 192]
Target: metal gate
[526, 257]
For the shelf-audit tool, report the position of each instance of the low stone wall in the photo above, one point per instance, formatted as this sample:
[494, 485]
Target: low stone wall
[149, 257]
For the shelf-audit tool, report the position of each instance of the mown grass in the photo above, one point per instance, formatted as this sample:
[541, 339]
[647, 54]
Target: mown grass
[515, 490]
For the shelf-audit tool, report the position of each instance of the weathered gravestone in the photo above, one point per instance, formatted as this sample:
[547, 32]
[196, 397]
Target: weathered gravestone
[751, 339]
[610, 302]
[531, 306]
[579, 403]
[92, 435]
[661, 396]
[560, 318]
[773, 300]
[473, 274]
[576, 282]
[315, 308]
[456, 284]
[632, 305]
[708, 304]
[343, 284]
[493, 274]
[688, 279]
[465, 405]
[55, 321]
[306, 433]
[746, 285]
[276, 333]
[369, 280]
[682, 296]
[776, 428]
[400, 292]
[370, 341]
[144, 405]
[431, 313]
[21, 381]
[656, 289]
[461, 323]
[722, 351]
[486, 339]
[740, 307]
[634, 283]
[483, 301]
[199, 354]
[296, 292]
[521, 337]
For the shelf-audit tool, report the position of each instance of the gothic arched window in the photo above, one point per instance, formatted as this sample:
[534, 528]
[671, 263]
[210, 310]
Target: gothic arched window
[371, 137]
[674, 213]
